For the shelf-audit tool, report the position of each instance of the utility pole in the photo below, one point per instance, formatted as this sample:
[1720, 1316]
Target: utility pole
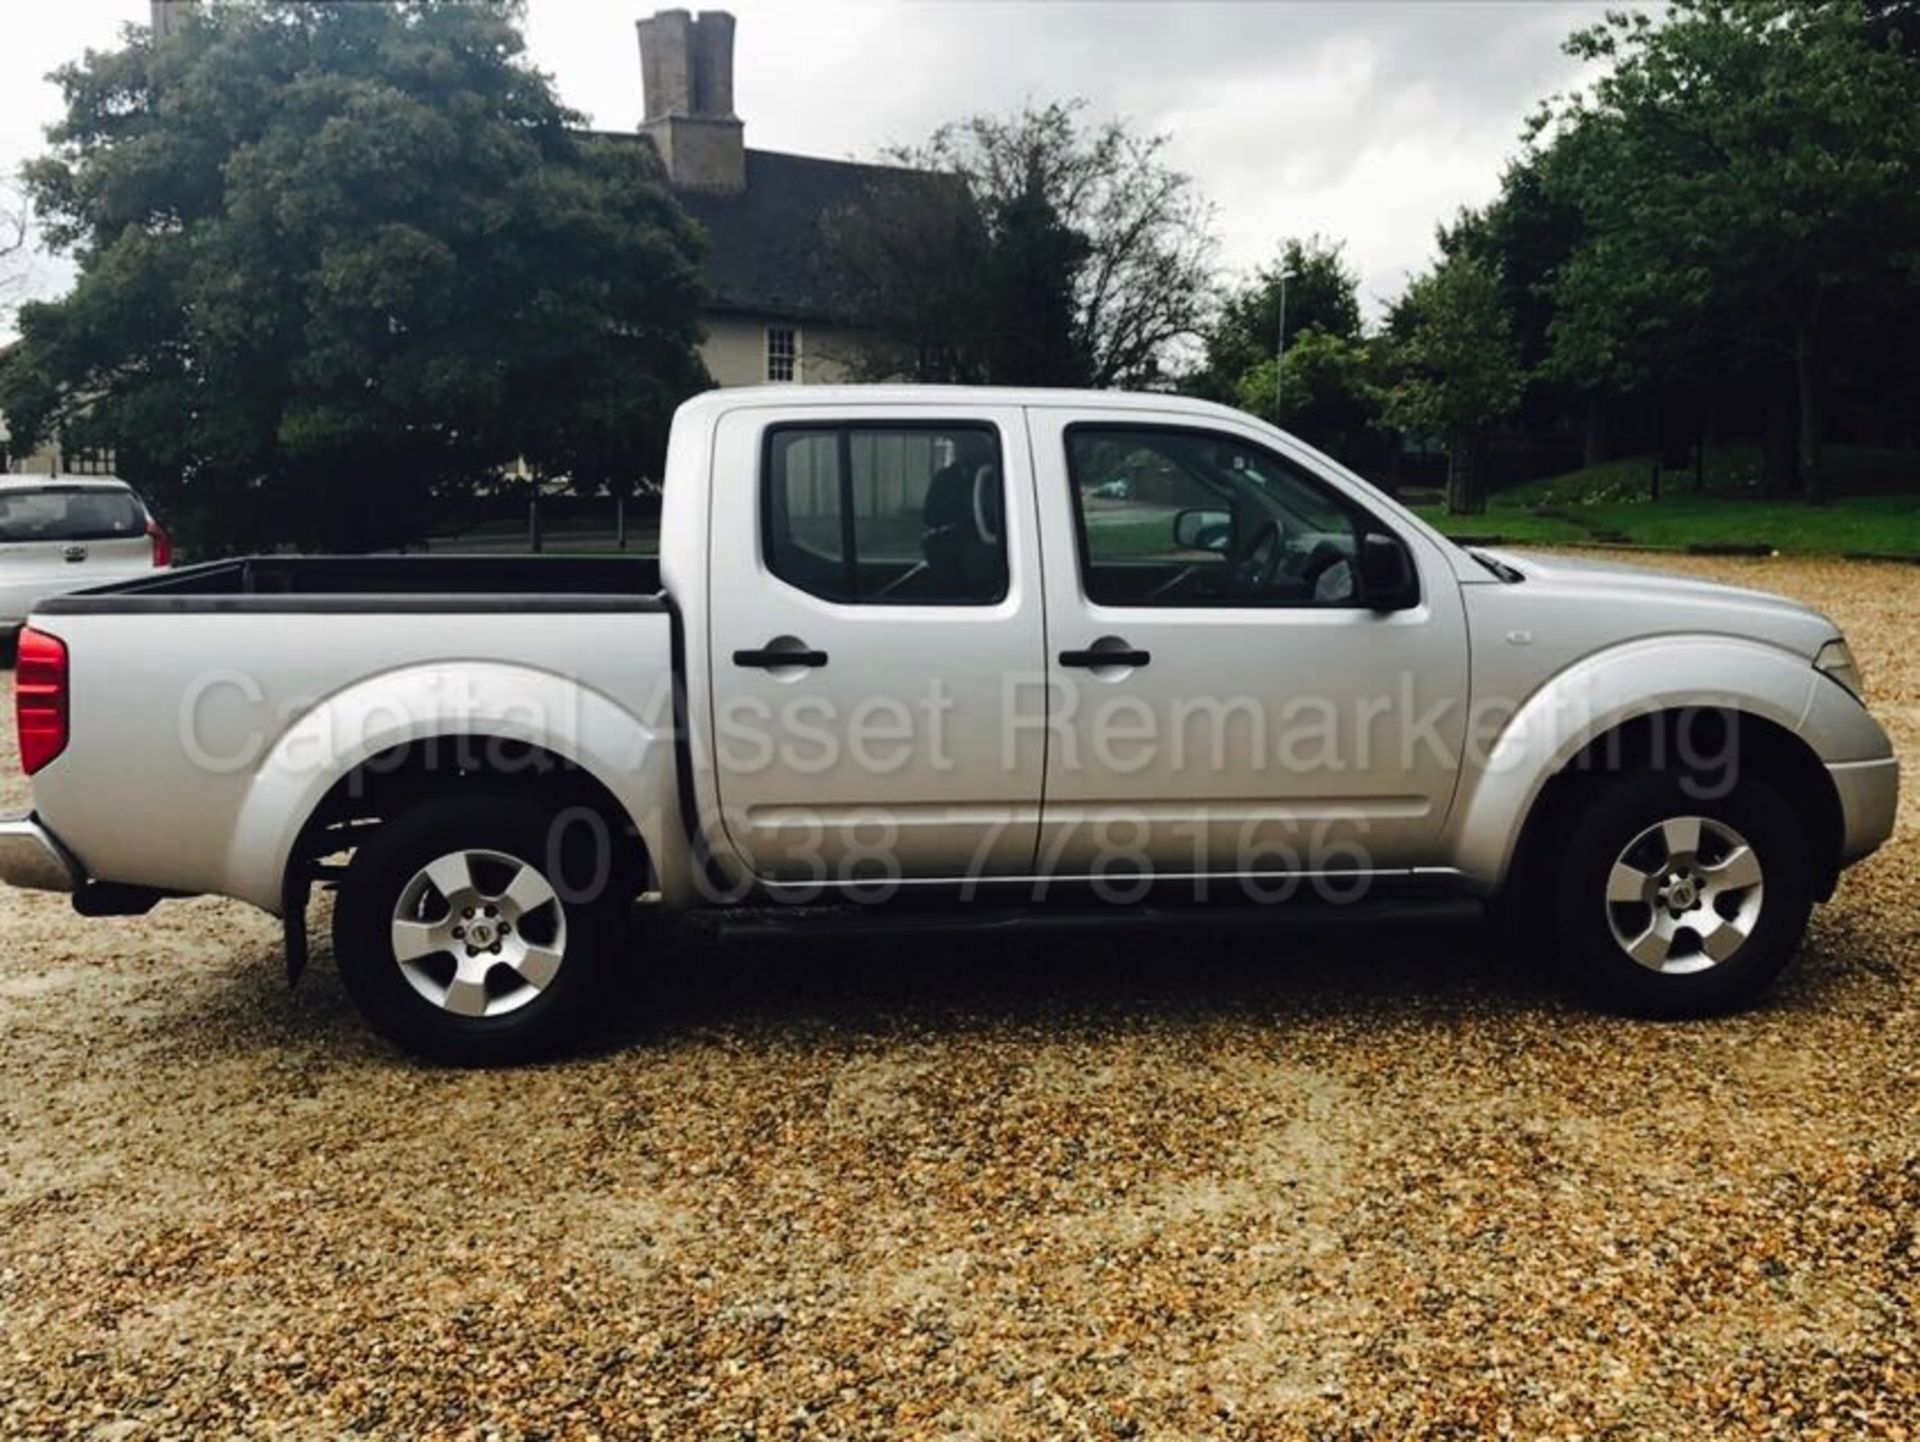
[1280, 349]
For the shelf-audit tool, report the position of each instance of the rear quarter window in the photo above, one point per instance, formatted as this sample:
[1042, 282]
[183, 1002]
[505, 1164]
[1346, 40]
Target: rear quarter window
[69, 513]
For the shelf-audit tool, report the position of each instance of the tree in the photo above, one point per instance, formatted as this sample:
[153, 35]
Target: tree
[1525, 236]
[922, 269]
[15, 214]
[339, 262]
[1746, 168]
[1322, 393]
[1325, 396]
[1456, 371]
[1066, 254]
[1322, 294]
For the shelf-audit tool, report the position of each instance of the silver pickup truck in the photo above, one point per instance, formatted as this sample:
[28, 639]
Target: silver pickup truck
[976, 651]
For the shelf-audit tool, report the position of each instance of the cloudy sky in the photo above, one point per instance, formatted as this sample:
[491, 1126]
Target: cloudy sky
[1366, 121]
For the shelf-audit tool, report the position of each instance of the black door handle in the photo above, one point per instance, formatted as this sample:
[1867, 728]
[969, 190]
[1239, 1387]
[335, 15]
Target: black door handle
[1116, 657]
[770, 659]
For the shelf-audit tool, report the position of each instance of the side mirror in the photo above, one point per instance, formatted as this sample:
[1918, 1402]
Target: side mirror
[1195, 529]
[1388, 580]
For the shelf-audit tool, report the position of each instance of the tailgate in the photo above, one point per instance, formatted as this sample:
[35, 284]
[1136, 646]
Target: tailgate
[72, 564]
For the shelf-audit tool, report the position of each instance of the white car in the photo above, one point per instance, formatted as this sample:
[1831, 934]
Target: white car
[65, 533]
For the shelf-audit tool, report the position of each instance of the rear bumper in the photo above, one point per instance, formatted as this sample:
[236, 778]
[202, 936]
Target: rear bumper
[31, 858]
[1869, 795]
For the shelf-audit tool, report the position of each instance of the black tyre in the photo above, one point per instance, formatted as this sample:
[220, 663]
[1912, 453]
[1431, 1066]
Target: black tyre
[1672, 901]
[460, 934]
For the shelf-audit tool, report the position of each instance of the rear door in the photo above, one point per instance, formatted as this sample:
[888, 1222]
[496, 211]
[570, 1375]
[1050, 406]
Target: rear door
[875, 600]
[57, 537]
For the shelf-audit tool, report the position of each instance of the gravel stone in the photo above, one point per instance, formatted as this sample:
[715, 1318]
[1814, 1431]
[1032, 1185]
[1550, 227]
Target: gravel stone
[1231, 1185]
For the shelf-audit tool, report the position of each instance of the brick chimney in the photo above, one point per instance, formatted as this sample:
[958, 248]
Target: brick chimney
[686, 67]
[166, 15]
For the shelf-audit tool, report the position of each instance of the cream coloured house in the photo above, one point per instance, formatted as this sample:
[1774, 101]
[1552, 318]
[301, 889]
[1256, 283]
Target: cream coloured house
[782, 306]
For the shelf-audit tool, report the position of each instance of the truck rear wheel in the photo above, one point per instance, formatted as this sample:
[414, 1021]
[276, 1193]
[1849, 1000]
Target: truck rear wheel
[1674, 901]
[458, 936]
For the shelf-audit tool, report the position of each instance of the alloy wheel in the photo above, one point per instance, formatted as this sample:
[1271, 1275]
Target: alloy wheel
[479, 933]
[1685, 895]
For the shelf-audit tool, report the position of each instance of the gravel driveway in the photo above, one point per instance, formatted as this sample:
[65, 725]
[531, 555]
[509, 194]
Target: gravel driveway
[1244, 1185]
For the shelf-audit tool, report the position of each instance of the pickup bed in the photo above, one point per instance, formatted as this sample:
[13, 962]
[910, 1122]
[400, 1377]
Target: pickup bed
[959, 648]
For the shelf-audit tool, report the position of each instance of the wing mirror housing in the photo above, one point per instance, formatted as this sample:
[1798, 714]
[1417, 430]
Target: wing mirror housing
[1388, 578]
[1197, 529]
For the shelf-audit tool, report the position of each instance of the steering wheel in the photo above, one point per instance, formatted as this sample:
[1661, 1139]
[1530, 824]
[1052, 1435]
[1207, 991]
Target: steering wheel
[1254, 572]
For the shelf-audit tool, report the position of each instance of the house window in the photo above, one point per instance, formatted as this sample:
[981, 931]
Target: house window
[783, 353]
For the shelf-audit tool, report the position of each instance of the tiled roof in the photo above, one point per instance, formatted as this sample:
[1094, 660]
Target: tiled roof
[771, 251]
[769, 248]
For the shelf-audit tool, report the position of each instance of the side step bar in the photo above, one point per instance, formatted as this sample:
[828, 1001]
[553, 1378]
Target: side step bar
[849, 920]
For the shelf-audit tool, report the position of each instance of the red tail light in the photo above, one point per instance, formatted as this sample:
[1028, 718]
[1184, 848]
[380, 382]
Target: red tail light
[162, 544]
[40, 698]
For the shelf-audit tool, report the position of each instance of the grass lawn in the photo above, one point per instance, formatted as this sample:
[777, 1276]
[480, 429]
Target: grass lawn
[1509, 524]
[1875, 507]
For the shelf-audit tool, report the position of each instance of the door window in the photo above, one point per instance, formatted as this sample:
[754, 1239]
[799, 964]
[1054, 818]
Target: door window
[886, 515]
[1172, 517]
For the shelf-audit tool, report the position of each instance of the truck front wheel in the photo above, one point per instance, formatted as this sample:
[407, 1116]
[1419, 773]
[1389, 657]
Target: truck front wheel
[459, 933]
[1680, 899]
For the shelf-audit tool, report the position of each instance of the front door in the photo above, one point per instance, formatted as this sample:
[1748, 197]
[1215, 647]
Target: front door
[874, 592]
[1223, 702]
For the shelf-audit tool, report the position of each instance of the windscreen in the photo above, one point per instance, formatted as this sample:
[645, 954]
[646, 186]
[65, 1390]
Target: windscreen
[69, 513]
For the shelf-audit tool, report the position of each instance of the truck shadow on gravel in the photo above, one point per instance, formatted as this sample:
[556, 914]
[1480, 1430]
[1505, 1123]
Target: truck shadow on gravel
[1100, 977]
[798, 986]
[795, 987]
[1065, 977]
